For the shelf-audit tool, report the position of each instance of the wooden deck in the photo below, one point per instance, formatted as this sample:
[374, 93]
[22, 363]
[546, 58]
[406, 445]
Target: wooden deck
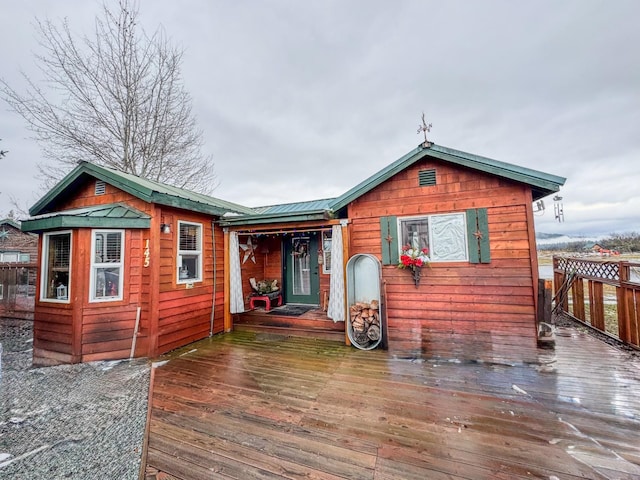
[259, 405]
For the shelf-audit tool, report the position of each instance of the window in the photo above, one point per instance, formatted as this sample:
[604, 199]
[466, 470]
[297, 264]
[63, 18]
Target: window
[9, 257]
[189, 252]
[56, 266]
[326, 252]
[106, 265]
[25, 258]
[443, 235]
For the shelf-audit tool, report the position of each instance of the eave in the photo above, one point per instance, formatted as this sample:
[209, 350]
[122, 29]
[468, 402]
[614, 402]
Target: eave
[98, 216]
[542, 184]
[146, 190]
[262, 219]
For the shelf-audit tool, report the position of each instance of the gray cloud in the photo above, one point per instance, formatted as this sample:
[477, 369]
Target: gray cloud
[302, 100]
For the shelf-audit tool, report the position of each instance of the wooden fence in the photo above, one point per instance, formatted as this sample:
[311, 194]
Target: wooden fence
[17, 290]
[602, 294]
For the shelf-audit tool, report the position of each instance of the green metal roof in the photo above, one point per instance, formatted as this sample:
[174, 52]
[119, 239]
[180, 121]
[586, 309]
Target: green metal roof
[285, 212]
[286, 208]
[115, 215]
[147, 190]
[9, 221]
[542, 184]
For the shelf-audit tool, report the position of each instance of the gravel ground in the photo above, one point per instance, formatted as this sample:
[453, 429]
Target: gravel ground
[72, 421]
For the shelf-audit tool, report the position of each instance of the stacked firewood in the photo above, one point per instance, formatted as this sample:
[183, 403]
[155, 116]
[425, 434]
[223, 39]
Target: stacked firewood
[365, 321]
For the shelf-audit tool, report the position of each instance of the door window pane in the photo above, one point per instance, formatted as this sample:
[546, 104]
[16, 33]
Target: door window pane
[301, 275]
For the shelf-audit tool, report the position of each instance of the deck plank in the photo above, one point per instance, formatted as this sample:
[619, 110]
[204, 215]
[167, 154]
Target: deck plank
[254, 406]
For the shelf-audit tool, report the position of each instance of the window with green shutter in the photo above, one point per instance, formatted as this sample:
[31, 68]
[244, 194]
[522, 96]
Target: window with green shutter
[447, 237]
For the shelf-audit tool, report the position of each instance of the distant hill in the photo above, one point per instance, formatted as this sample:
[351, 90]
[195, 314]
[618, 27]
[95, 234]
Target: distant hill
[559, 239]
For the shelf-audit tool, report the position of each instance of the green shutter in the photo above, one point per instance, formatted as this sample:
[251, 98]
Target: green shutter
[483, 228]
[389, 240]
[472, 228]
[478, 236]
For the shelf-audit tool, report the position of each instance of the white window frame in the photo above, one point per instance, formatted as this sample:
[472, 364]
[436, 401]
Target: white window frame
[197, 252]
[97, 265]
[433, 241]
[45, 272]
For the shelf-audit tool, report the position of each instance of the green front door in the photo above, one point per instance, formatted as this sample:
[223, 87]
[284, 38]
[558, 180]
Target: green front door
[301, 269]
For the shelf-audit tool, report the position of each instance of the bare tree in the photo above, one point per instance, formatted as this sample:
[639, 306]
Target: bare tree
[3, 152]
[115, 99]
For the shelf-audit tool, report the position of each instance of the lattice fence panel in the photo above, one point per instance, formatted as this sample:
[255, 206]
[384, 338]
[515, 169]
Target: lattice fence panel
[589, 269]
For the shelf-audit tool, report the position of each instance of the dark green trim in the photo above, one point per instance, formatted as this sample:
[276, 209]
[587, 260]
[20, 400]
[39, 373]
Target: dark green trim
[378, 178]
[478, 235]
[472, 242]
[246, 220]
[389, 240]
[8, 221]
[113, 215]
[144, 189]
[69, 221]
[483, 227]
[542, 184]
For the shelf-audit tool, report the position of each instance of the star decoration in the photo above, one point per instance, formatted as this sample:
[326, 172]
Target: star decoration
[478, 235]
[389, 238]
[248, 250]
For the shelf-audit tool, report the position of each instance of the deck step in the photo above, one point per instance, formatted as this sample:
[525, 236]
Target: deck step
[338, 336]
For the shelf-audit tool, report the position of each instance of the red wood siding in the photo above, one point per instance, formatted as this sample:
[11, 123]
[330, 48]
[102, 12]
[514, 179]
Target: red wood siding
[17, 241]
[172, 314]
[52, 334]
[489, 301]
[184, 313]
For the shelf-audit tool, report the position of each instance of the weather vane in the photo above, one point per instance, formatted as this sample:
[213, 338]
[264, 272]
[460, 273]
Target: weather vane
[424, 128]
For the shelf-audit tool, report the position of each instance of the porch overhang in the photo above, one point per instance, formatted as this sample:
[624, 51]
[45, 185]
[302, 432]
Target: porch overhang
[273, 218]
[115, 215]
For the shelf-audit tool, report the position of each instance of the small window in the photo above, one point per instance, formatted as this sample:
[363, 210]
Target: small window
[107, 261]
[9, 257]
[25, 258]
[189, 264]
[1, 291]
[326, 252]
[445, 236]
[56, 267]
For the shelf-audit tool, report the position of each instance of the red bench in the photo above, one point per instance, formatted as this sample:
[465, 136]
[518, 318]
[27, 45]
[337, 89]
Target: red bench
[267, 299]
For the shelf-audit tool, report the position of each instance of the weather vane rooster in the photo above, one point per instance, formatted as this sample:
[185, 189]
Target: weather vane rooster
[424, 128]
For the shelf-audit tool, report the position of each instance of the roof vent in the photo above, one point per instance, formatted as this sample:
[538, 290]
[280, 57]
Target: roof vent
[101, 187]
[427, 178]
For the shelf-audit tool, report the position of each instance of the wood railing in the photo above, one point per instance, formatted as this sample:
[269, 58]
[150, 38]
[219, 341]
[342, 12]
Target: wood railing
[602, 294]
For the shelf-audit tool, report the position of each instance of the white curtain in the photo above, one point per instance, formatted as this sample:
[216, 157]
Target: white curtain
[335, 310]
[236, 297]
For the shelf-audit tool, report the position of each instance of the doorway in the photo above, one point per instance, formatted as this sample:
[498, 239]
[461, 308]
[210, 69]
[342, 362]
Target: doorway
[302, 283]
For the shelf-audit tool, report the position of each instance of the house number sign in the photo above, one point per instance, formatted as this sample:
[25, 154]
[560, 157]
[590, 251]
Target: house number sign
[146, 253]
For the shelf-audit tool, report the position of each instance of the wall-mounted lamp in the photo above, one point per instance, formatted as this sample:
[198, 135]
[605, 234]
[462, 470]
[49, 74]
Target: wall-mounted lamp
[165, 228]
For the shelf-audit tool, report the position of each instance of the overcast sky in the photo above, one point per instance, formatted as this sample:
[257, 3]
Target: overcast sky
[303, 100]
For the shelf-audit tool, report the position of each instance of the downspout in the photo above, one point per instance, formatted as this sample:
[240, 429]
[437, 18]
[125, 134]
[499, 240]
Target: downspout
[213, 307]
